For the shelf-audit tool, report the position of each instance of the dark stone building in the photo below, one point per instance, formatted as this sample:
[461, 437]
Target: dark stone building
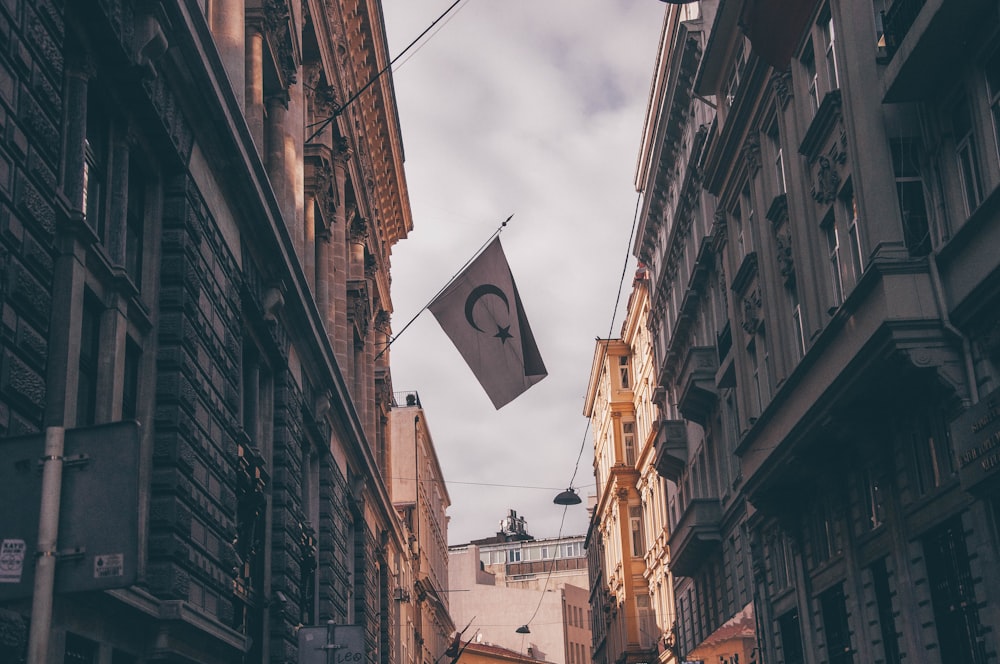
[195, 233]
[822, 236]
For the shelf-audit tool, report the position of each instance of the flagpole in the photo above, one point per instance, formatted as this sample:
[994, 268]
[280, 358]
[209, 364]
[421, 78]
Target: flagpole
[448, 283]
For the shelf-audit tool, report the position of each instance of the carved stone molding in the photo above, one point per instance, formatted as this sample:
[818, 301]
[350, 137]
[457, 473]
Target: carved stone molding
[382, 321]
[786, 264]
[751, 311]
[751, 151]
[277, 17]
[359, 230]
[827, 182]
[782, 83]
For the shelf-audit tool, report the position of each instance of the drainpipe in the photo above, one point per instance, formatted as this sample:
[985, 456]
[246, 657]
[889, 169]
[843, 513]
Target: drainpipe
[942, 304]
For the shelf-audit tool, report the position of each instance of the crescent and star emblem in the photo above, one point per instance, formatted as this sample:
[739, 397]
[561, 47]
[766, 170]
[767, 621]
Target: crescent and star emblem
[503, 333]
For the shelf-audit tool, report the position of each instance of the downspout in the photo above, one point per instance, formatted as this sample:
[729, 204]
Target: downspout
[942, 304]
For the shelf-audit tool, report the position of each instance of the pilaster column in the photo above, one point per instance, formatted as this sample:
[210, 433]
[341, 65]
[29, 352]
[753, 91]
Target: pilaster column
[228, 21]
[295, 164]
[323, 276]
[310, 244]
[277, 110]
[114, 323]
[254, 99]
[337, 274]
[77, 83]
[118, 212]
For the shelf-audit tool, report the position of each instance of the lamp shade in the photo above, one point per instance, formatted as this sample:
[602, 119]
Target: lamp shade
[523, 629]
[568, 497]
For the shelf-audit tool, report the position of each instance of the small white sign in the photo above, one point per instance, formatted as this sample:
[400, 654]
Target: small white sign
[108, 565]
[12, 560]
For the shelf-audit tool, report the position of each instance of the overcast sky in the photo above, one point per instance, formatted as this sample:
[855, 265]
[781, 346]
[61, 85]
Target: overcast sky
[532, 108]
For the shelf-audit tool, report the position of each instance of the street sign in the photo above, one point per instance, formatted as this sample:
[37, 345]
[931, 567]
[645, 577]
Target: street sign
[332, 644]
[98, 515]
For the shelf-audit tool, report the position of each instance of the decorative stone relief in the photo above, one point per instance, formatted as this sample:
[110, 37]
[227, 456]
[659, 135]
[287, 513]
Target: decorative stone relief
[786, 264]
[782, 83]
[827, 181]
[751, 311]
[276, 19]
[359, 230]
[382, 321]
[751, 151]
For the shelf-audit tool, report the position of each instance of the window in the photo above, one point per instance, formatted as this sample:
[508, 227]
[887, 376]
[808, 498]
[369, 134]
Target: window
[835, 627]
[932, 452]
[90, 344]
[733, 435]
[878, 10]
[829, 41]
[812, 79]
[623, 372]
[628, 441]
[95, 166]
[822, 535]
[791, 637]
[871, 499]
[733, 83]
[833, 258]
[779, 170]
[886, 615]
[746, 227]
[739, 233]
[135, 222]
[79, 650]
[780, 562]
[853, 232]
[798, 329]
[993, 84]
[966, 154]
[910, 194]
[130, 387]
[635, 523]
[956, 612]
[760, 379]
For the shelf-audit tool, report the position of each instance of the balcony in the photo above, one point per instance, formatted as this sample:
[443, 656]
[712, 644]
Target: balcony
[696, 536]
[671, 449]
[925, 40]
[696, 383]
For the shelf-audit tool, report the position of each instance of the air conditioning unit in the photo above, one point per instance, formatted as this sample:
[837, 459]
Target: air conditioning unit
[401, 595]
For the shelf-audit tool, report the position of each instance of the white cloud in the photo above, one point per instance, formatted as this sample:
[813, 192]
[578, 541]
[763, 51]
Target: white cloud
[533, 108]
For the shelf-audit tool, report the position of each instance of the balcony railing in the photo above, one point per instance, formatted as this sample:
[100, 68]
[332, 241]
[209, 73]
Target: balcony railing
[696, 383]
[671, 449]
[696, 536]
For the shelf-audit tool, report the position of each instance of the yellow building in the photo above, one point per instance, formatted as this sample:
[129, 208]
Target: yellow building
[623, 626]
[482, 653]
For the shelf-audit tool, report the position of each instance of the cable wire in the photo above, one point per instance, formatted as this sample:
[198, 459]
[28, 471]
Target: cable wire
[583, 444]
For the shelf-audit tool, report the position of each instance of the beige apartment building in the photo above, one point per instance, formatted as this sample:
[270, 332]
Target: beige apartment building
[421, 499]
[502, 584]
[821, 236]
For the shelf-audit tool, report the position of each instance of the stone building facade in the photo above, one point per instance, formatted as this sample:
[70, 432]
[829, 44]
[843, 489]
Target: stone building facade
[198, 203]
[821, 236]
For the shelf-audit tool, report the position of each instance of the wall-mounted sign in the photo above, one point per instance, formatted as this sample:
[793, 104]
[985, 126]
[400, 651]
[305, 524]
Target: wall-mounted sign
[976, 438]
[332, 644]
[98, 513]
